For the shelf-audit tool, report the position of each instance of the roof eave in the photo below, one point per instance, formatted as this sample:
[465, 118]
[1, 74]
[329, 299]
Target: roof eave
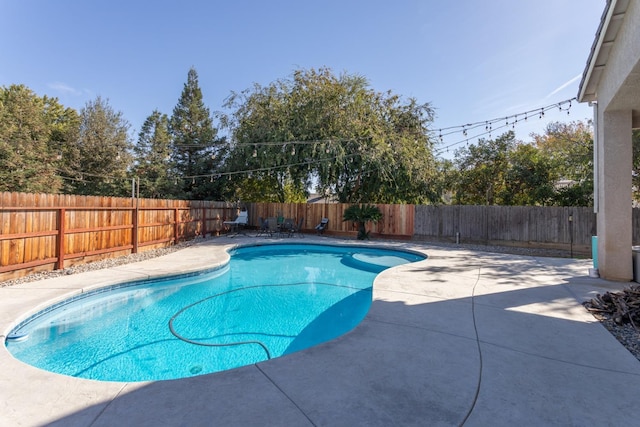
[595, 51]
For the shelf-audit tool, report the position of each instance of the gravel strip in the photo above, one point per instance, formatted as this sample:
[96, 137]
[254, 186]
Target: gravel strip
[99, 265]
[625, 334]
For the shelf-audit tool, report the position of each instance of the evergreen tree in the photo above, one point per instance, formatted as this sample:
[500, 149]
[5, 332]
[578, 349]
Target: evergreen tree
[152, 157]
[100, 158]
[197, 153]
[32, 129]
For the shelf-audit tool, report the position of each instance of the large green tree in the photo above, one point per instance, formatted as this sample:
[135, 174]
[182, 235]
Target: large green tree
[529, 179]
[482, 168]
[153, 157]
[197, 152]
[569, 148]
[99, 159]
[333, 132]
[33, 131]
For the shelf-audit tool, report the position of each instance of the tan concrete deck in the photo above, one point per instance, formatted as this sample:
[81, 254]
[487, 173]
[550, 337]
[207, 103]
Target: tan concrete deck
[462, 338]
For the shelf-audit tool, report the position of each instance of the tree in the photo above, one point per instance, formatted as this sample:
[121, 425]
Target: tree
[99, 159]
[360, 215]
[334, 132]
[529, 179]
[445, 181]
[32, 129]
[482, 168]
[197, 152]
[569, 146]
[152, 157]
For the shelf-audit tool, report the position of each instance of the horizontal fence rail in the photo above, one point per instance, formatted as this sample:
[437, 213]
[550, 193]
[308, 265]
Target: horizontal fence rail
[566, 228]
[45, 231]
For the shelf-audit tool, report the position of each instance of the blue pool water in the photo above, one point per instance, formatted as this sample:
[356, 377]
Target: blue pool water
[269, 301]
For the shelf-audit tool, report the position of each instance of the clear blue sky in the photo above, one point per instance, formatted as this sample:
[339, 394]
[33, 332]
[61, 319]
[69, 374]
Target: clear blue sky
[473, 60]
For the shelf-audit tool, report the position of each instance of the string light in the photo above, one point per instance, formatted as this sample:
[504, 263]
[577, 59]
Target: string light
[465, 129]
[489, 127]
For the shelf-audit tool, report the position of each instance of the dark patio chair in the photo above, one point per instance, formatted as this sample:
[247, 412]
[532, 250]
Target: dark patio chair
[272, 226]
[322, 226]
[296, 228]
[263, 228]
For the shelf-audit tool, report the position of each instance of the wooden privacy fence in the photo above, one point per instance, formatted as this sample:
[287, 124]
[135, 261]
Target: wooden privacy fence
[396, 223]
[46, 231]
[567, 228]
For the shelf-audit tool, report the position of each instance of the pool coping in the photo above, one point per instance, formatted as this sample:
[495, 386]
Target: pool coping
[471, 308]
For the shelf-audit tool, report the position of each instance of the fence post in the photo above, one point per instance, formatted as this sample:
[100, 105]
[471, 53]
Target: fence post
[61, 247]
[134, 231]
[175, 226]
[204, 221]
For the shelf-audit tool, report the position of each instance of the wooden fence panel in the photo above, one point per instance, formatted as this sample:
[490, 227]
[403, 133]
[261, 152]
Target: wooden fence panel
[397, 220]
[94, 227]
[513, 225]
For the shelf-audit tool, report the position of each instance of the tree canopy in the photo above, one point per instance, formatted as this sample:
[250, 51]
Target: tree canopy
[99, 157]
[153, 157]
[33, 130]
[555, 169]
[312, 131]
[197, 152]
[333, 132]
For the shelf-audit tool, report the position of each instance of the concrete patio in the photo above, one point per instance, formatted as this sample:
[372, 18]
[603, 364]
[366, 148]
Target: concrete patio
[462, 338]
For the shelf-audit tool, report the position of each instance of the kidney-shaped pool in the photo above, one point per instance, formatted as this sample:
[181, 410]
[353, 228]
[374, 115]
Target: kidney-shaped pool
[268, 301]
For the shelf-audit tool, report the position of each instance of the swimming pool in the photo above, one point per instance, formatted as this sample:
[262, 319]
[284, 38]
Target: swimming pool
[268, 301]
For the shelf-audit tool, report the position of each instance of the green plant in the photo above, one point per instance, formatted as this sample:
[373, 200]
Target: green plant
[360, 215]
